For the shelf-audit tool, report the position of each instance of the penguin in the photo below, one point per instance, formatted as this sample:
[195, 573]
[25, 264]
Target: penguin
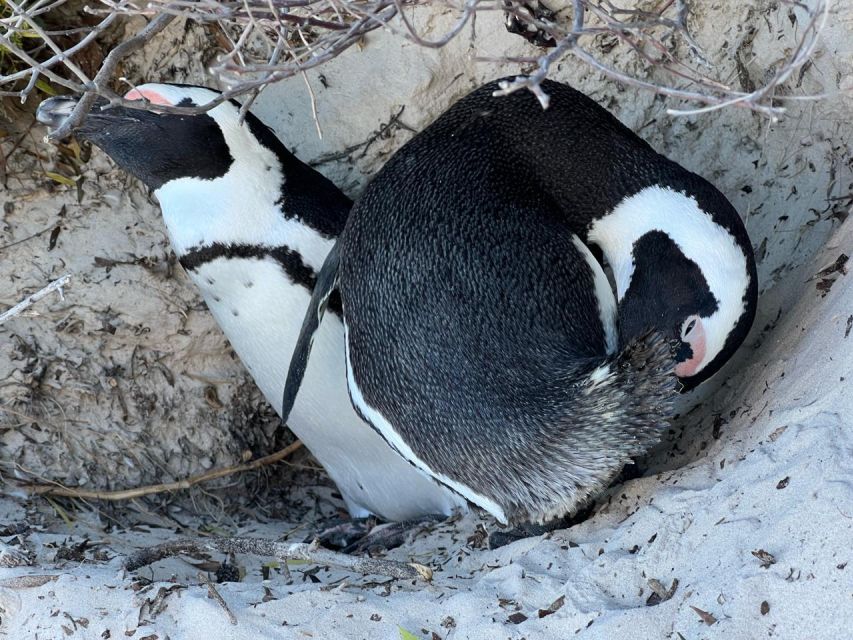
[483, 339]
[252, 225]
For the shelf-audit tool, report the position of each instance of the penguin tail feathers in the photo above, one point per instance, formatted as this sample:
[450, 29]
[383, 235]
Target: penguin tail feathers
[640, 381]
[644, 372]
[327, 281]
[619, 411]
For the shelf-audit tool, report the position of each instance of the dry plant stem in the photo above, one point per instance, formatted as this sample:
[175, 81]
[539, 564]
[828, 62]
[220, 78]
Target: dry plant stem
[34, 26]
[282, 551]
[269, 73]
[717, 97]
[801, 55]
[533, 82]
[27, 302]
[211, 589]
[27, 582]
[137, 492]
[34, 69]
[101, 81]
[271, 40]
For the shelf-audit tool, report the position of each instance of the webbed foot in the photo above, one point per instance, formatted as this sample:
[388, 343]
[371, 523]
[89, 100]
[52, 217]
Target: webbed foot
[504, 537]
[370, 535]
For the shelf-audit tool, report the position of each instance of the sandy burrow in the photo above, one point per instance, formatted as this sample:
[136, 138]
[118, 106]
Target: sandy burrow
[757, 533]
[127, 381]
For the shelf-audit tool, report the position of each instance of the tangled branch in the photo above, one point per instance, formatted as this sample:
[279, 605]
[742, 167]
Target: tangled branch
[55, 489]
[280, 551]
[269, 40]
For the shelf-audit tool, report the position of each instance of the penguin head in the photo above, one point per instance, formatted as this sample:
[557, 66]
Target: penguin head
[159, 148]
[683, 265]
[219, 177]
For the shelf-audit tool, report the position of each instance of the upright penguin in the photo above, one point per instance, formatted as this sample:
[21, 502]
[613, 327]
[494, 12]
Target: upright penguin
[251, 225]
[483, 341]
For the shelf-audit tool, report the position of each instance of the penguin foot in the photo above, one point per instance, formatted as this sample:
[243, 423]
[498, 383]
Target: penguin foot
[341, 534]
[515, 14]
[500, 538]
[630, 471]
[369, 535]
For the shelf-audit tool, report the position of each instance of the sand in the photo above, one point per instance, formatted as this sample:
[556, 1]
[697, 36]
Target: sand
[748, 504]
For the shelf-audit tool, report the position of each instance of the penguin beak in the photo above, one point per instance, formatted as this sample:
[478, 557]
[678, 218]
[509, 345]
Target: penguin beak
[54, 111]
[681, 352]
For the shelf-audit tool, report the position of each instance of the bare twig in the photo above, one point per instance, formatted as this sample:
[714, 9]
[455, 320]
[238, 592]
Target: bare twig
[211, 589]
[283, 551]
[533, 82]
[27, 582]
[269, 40]
[313, 106]
[137, 492]
[27, 302]
[100, 85]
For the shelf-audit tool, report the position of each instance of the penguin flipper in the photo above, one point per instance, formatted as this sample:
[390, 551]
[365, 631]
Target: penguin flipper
[327, 281]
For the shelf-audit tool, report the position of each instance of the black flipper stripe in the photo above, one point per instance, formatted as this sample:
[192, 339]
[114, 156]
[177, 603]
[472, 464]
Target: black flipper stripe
[327, 281]
[289, 260]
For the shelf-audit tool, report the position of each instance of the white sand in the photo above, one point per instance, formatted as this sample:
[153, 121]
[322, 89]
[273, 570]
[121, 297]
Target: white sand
[778, 479]
[775, 474]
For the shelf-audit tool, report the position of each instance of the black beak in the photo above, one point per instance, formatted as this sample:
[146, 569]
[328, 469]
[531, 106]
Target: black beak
[54, 111]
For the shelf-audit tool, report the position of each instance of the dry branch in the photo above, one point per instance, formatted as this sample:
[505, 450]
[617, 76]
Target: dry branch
[137, 492]
[271, 40]
[27, 302]
[281, 551]
[27, 581]
[100, 85]
[211, 589]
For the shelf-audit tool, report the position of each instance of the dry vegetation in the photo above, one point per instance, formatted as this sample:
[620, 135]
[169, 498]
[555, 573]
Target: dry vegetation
[263, 41]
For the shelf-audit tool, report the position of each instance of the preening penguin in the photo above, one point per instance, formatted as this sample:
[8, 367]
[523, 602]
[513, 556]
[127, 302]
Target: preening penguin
[483, 340]
[252, 225]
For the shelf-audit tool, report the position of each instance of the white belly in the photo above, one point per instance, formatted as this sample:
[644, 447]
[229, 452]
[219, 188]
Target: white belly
[261, 312]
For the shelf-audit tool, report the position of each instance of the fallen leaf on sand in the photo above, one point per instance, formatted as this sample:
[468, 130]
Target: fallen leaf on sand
[707, 618]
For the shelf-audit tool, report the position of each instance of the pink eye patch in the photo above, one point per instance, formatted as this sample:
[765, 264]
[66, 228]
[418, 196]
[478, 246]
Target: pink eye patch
[148, 94]
[696, 339]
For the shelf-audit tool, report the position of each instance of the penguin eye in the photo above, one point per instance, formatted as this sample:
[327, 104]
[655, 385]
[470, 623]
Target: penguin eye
[689, 325]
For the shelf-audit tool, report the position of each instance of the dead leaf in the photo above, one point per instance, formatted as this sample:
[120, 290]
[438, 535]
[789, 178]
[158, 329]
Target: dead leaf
[707, 618]
[777, 432]
[477, 540]
[61, 179]
[659, 592]
[835, 267]
[517, 618]
[553, 607]
[766, 558]
[54, 235]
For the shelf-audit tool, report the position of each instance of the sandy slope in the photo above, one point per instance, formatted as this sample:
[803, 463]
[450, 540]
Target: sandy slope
[777, 483]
